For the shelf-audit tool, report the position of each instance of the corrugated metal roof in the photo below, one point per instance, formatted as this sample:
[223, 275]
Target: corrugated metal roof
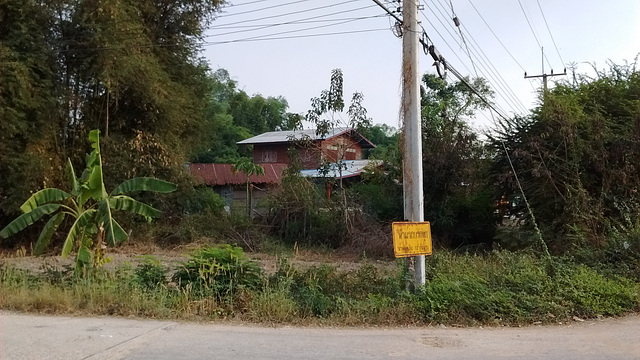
[222, 174]
[291, 135]
[350, 168]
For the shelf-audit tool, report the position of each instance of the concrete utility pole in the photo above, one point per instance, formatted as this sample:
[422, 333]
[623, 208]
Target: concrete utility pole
[544, 76]
[412, 145]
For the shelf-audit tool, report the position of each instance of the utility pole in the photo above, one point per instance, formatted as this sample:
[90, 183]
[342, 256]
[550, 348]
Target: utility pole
[544, 76]
[412, 144]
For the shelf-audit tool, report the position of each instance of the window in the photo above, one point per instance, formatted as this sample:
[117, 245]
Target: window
[269, 156]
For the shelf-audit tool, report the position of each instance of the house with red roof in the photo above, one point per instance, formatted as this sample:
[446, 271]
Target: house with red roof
[272, 151]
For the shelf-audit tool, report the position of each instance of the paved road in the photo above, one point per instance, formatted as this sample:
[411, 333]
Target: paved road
[46, 337]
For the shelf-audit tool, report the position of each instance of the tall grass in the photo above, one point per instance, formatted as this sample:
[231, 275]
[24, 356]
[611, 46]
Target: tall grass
[498, 288]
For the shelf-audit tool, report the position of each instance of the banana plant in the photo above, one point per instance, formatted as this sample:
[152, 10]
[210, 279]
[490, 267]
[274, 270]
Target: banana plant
[90, 207]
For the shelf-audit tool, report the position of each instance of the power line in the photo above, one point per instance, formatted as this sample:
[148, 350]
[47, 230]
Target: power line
[533, 31]
[261, 9]
[513, 100]
[249, 39]
[295, 36]
[293, 22]
[499, 89]
[496, 36]
[247, 3]
[290, 13]
[301, 30]
[297, 22]
[456, 21]
[443, 38]
[499, 41]
[550, 34]
[488, 66]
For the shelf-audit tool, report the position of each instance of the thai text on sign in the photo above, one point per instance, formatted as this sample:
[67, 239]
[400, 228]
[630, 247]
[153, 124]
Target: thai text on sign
[411, 238]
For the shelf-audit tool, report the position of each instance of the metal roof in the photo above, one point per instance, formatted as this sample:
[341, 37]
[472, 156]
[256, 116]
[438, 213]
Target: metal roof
[350, 168]
[310, 134]
[222, 174]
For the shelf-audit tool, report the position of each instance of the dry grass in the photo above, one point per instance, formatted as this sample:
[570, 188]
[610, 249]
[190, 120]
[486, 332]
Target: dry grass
[500, 288]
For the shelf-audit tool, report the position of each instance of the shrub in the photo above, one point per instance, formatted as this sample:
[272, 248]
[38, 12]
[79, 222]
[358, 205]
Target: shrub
[219, 270]
[202, 200]
[592, 294]
[150, 273]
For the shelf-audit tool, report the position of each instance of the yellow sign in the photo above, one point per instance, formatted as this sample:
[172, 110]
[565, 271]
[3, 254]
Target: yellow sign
[411, 238]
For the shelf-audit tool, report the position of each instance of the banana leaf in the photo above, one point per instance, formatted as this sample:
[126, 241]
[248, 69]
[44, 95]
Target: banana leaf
[144, 184]
[122, 202]
[48, 231]
[27, 219]
[77, 228]
[44, 196]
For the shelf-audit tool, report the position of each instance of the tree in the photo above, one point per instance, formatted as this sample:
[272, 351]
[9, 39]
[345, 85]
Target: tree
[232, 116]
[577, 158]
[385, 138]
[325, 115]
[130, 68]
[248, 168]
[90, 206]
[458, 198]
[27, 103]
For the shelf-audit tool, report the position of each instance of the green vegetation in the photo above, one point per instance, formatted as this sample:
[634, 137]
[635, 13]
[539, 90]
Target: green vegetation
[500, 288]
[91, 208]
[133, 70]
[577, 156]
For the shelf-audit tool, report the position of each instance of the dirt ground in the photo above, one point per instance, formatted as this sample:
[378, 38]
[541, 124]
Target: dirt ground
[131, 255]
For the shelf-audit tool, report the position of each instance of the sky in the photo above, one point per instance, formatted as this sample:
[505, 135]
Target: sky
[289, 47]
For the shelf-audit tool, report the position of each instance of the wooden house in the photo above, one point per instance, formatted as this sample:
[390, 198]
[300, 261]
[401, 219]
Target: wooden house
[340, 144]
[271, 151]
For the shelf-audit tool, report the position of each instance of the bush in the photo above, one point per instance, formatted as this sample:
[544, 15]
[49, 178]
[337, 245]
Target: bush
[220, 271]
[591, 294]
[150, 273]
[202, 200]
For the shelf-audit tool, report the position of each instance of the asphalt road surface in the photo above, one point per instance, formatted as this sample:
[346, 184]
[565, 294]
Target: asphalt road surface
[48, 337]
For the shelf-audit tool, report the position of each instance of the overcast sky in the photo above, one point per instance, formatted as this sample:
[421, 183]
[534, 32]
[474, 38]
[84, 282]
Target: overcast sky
[281, 47]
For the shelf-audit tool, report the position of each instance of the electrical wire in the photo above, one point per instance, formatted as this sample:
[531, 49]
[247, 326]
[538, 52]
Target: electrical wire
[297, 22]
[500, 42]
[247, 3]
[296, 36]
[495, 76]
[289, 13]
[497, 38]
[550, 34]
[294, 22]
[249, 39]
[261, 9]
[498, 88]
[457, 23]
[490, 68]
[301, 30]
[533, 32]
[444, 40]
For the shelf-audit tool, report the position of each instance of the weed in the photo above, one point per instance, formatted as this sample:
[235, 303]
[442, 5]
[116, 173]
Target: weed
[219, 282]
[150, 273]
[219, 270]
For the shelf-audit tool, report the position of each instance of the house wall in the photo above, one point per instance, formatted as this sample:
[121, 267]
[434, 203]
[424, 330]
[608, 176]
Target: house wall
[270, 153]
[235, 197]
[338, 148]
[277, 153]
[342, 147]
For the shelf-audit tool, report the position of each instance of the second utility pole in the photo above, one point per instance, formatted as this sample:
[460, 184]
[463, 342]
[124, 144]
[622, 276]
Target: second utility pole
[412, 145]
[544, 76]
